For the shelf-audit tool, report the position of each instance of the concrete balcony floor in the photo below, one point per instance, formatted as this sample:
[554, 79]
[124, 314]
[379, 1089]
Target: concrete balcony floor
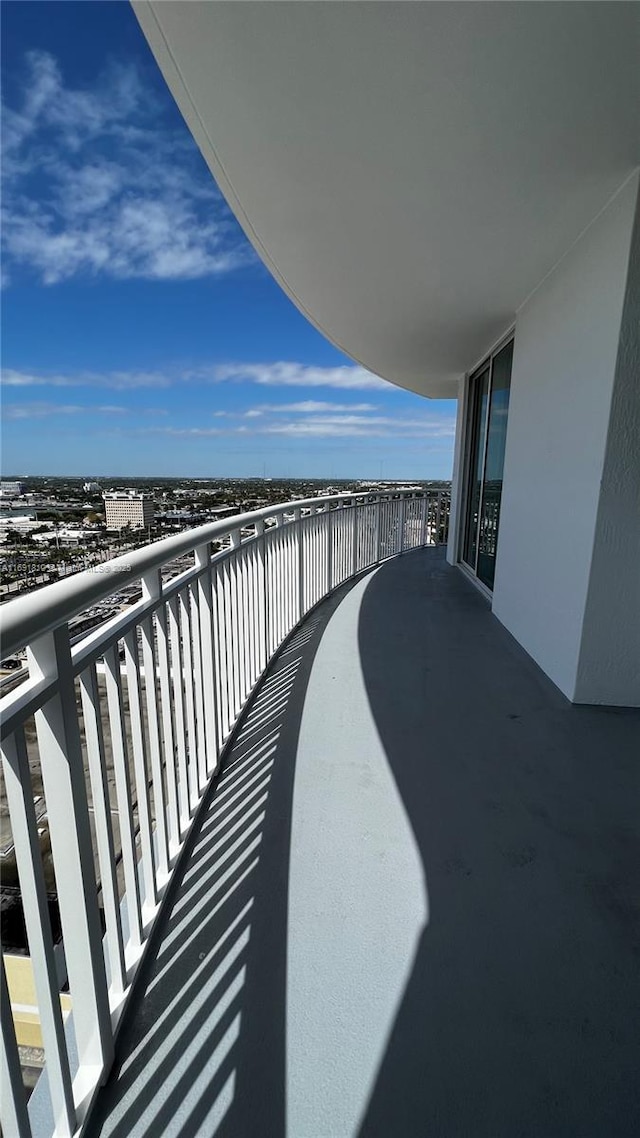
[409, 907]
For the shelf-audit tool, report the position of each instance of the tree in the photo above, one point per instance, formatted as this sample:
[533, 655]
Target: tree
[15, 537]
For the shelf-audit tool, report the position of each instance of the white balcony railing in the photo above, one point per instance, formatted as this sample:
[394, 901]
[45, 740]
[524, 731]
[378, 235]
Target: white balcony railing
[129, 724]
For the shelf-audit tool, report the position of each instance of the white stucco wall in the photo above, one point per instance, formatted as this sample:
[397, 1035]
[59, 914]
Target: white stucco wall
[564, 368]
[609, 664]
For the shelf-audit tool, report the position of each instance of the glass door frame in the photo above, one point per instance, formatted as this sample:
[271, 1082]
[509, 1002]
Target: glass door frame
[470, 434]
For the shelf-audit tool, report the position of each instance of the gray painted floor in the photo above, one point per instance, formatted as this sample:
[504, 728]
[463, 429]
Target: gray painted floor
[410, 907]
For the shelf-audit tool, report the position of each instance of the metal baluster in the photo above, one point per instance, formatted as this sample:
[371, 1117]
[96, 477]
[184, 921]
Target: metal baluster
[67, 809]
[205, 610]
[282, 592]
[275, 596]
[124, 795]
[26, 840]
[151, 590]
[329, 539]
[269, 597]
[320, 553]
[248, 617]
[234, 645]
[219, 662]
[299, 564]
[279, 583]
[168, 732]
[177, 672]
[292, 577]
[239, 632]
[261, 594]
[198, 686]
[132, 666]
[423, 519]
[245, 626]
[190, 705]
[251, 622]
[312, 527]
[13, 1106]
[223, 649]
[252, 613]
[92, 715]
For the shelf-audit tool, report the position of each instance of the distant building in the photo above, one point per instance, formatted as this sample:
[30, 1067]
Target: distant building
[127, 508]
[66, 537]
[19, 523]
[91, 487]
[222, 511]
[11, 489]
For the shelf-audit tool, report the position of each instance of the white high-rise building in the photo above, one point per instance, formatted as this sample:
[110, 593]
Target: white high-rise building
[449, 192]
[11, 489]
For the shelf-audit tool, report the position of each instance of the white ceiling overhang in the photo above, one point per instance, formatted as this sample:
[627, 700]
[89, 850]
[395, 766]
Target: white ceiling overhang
[409, 172]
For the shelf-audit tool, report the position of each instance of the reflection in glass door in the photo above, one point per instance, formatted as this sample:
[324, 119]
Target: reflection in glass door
[487, 432]
[479, 392]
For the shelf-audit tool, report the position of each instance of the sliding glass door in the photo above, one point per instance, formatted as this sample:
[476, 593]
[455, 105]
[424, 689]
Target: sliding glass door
[478, 405]
[486, 431]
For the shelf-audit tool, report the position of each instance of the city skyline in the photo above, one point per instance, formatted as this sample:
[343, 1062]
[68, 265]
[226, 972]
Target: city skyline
[142, 335]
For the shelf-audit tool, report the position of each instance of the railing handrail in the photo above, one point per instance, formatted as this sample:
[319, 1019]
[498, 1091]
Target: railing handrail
[135, 715]
[25, 618]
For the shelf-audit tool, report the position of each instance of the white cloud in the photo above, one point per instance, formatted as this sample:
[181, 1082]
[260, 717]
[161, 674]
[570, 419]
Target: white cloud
[95, 184]
[190, 432]
[117, 380]
[76, 116]
[313, 407]
[44, 410]
[328, 426]
[351, 377]
[361, 426]
[306, 418]
[348, 377]
[305, 407]
[352, 420]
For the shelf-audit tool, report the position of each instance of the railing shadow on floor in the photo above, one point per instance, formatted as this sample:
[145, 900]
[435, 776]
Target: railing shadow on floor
[518, 1017]
[210, 1001]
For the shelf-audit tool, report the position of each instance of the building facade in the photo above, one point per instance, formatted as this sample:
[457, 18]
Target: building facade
[127, 508]
[11, 489]
[463, 236]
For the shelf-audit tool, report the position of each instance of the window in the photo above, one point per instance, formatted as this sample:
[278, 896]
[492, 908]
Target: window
[488, 410]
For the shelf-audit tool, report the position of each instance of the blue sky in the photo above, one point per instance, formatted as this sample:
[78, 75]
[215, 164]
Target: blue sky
[140, 332]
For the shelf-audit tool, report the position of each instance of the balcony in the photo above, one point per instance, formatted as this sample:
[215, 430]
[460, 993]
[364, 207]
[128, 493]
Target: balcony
[371, 873]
